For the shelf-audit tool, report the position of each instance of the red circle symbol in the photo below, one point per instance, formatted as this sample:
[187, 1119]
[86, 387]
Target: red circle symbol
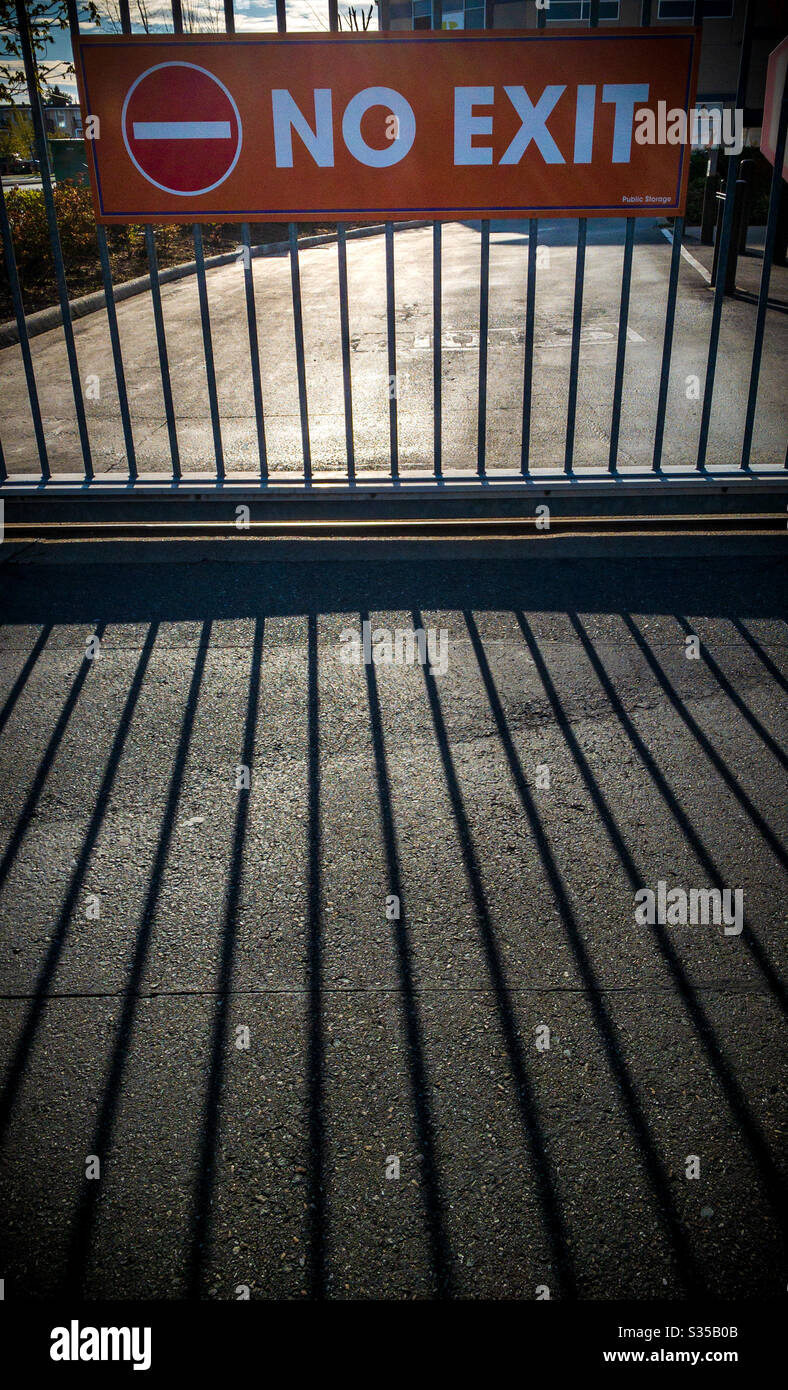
[182, 128]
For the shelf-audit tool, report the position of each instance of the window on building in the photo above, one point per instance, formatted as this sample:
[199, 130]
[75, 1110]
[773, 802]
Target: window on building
[571, 11]
[457, 14]
[685, 9]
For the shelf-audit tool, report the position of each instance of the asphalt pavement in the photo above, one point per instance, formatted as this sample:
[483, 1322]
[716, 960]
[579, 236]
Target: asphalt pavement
[202, 989]
[413, 287]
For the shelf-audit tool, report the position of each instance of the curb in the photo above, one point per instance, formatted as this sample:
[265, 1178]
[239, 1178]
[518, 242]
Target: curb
[44, 319]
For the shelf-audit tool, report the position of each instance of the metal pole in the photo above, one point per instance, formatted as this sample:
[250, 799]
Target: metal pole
[106, 275]
[298, 330]
[727, 226]
[24, 340]
[709, 206]
[207, 342]
[763, 296]
[528, 359]
[391, 326]
[667, 342]
[344, 314]
[621, 346]
[254, 351]
[577, 320]
[437, 362]
[298, 323]
[39, 129]
[344, 326]
[117, 355]
[484, 316]
[161, 344]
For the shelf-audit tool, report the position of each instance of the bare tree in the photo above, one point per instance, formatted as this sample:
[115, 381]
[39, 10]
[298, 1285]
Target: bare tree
[356, 19]
[43, 19]
[110, 15]
[206, 16]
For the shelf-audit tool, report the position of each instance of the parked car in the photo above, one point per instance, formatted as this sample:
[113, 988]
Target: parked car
[16, 164]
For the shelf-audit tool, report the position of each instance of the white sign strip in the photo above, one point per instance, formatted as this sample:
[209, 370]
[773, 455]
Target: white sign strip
[182, 130]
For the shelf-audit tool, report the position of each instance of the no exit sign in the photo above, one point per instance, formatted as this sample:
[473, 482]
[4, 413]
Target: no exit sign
[336, 126]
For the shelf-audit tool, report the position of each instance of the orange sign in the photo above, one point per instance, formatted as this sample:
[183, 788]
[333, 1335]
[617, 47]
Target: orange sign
[307, 127]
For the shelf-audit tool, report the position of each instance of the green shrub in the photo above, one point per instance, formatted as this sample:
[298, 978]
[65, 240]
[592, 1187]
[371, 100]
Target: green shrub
[77, 230]
[30, 229]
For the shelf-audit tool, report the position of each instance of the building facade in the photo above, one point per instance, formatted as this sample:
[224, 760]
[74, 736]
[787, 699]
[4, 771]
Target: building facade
[722, 23]
[59, 120]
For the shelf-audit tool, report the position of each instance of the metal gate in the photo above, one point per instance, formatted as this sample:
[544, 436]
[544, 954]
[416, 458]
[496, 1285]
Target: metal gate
[433, 477]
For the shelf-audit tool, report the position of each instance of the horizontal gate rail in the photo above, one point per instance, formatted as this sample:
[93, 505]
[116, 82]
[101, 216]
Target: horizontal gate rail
[480, 478]
[539, 482]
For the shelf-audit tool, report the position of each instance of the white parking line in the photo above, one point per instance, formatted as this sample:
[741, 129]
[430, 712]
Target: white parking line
[685, 253]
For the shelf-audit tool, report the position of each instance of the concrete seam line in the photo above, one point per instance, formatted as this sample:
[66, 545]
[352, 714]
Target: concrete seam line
[45, 319]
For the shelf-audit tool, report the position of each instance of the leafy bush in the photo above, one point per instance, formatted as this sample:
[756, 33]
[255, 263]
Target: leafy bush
[30, 230]
[77, 228]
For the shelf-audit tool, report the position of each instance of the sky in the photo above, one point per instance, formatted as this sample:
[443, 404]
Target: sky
[250, 15]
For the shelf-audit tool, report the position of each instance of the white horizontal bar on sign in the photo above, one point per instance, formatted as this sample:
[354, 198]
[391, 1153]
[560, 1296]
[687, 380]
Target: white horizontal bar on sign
[182, 130]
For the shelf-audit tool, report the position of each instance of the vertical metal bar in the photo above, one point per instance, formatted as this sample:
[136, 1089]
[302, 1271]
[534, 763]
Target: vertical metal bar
[254, 352]
[298, 327]
[725, 239]
[437, 314]
[437, 361]
[298, 324]
[207, 342]
[484, 316]
[117, 355]
[645, 14]
[541, 18]
[621, 346]
[528, 361]
[763, 295]
[3, 469]
[667, 341]
[391, 323]
[593, 14]
[54, 236]
[384, 13]
[177, 17]
[344, 317]
[161, 344]
[106, 274]
[229, 17]
[574, 365]
[125, 16]
[344, 324]
[24, 340]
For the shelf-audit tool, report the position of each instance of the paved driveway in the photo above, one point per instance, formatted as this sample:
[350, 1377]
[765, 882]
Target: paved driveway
[366, 268]
[202, 988]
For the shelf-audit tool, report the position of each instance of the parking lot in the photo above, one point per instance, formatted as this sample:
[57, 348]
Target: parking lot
[460, 342]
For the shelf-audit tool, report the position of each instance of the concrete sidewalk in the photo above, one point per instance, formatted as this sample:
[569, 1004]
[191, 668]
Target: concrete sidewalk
[222, 910]
[367, 302]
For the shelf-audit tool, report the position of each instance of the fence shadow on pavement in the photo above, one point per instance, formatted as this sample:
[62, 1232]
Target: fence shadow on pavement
[738, 591]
